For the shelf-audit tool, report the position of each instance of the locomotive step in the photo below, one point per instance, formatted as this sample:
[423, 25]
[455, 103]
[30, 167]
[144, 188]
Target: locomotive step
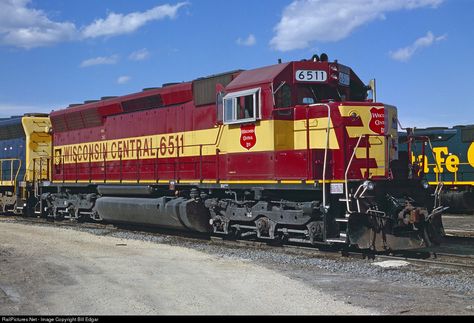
[335, 240]
[341, 239]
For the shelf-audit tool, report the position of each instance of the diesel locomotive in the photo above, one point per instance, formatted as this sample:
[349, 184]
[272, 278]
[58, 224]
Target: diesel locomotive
[292, 152]
[447, 159]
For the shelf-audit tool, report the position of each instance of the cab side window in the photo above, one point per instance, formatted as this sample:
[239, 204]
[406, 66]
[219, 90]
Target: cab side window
[243, 106]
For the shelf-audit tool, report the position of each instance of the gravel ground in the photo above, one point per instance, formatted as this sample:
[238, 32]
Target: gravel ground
[260, 281]
[52, 271]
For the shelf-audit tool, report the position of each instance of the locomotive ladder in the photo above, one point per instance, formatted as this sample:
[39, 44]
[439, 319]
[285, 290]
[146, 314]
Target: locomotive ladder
[348, 199]
[342, 235]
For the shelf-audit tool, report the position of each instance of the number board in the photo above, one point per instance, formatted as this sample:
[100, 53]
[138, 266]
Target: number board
[311, 76]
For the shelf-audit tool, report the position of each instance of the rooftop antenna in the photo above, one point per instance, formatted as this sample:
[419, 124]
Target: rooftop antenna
[373, 88]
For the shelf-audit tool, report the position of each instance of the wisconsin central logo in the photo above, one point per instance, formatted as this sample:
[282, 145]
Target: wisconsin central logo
[248, 139]
[377, 121]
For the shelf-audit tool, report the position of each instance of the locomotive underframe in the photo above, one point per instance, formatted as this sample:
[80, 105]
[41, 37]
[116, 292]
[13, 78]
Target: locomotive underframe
[381, 219]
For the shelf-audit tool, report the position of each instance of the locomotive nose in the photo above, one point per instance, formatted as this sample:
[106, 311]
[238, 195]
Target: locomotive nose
[415, 229]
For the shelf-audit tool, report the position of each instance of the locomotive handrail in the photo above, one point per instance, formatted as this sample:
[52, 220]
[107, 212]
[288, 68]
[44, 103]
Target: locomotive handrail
[411, 138]
[434, 157]
[367, 176]
[325, 149]
[43, 162]
[13, 179]
[347, 172]
[138, 159]
[48, 163]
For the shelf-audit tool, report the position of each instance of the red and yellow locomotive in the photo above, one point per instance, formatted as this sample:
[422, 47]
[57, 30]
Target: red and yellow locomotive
[293, 151]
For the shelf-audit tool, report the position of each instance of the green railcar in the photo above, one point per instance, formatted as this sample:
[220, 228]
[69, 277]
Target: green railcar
[446, 157]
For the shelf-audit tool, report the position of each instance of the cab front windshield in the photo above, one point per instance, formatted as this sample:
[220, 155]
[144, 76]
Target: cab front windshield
[309, 94]
[302, 94]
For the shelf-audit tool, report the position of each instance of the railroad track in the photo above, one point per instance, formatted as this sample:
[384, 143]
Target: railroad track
[422, 257]
[452, 233]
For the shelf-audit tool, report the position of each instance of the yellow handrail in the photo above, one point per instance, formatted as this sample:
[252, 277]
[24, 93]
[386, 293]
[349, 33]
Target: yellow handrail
[13, 179]
[43, 162]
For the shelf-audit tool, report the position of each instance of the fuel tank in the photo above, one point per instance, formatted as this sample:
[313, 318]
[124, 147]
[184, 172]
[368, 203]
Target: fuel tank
[167, 212]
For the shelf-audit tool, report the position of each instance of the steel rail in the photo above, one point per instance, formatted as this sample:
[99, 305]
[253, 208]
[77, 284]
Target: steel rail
[414, 257]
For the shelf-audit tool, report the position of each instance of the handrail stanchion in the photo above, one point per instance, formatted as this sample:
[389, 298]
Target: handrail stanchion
[138, 165]
[157, 164]
[41, 169]
[90, 167]
[48, 169]
[34, 170]
[120, 167]
[217, 165]
[105, 166]
[367, 156]
[77, 174]
[200, 162]
[346, 179]
[177, 159]
[62, 166]
[309, 159]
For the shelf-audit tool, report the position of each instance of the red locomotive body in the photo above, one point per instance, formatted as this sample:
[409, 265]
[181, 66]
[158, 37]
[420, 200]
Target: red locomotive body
[288, 151]
[151, 136]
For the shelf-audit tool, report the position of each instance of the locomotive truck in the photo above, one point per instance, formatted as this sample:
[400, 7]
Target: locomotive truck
[290, 152]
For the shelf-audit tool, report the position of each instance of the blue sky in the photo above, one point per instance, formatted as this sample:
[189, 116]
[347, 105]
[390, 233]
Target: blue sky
[53, 53]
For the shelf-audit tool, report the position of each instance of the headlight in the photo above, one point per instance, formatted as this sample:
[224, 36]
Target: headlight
[425, 184]
[369, 185]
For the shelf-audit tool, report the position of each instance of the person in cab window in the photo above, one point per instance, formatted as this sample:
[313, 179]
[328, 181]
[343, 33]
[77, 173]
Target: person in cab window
[248, 107]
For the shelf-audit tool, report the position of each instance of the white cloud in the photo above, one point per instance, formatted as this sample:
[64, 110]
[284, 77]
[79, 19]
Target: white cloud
[123, 79]
[101, 60]
[305, 21]
[404, 54]
[24, 27]
[139, 55]
[249, 41]
[118, 24]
